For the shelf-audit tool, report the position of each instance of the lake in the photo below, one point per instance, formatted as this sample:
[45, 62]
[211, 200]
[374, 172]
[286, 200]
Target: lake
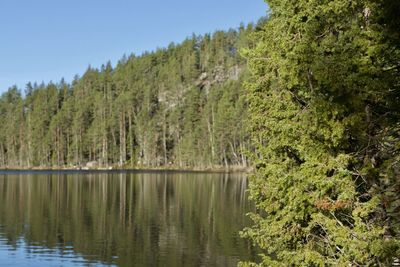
[136, 218]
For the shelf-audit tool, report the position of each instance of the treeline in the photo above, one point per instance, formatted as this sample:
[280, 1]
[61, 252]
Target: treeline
[182, 106]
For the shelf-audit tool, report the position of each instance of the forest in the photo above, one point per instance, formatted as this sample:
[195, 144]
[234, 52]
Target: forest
[182, 106]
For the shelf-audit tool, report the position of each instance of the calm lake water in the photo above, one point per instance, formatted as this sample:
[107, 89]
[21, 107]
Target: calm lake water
[122, 219]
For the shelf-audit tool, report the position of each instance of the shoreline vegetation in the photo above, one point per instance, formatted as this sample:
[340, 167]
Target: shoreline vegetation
[183, 105]
[324, 113]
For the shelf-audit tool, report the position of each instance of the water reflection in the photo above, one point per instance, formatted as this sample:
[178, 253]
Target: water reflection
[126, 219]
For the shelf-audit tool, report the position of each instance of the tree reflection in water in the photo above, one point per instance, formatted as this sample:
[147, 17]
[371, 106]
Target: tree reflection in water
[129, 218]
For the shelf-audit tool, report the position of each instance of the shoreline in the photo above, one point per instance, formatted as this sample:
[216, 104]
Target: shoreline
[230, 169]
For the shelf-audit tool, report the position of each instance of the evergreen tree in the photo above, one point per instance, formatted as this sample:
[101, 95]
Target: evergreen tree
[324, 109]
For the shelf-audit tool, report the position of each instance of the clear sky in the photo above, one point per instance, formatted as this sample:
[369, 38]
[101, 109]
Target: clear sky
[44, 40]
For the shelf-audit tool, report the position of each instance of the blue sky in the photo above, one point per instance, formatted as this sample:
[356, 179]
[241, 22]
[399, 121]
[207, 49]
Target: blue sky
[43, 40]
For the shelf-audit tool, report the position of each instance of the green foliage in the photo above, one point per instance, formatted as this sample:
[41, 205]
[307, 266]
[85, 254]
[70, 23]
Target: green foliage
[177, 106]
[324, 118]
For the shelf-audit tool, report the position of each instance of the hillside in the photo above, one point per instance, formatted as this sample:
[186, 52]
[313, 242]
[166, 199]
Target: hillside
[180, 106]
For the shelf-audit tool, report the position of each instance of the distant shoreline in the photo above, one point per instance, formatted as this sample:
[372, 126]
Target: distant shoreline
[230, 169]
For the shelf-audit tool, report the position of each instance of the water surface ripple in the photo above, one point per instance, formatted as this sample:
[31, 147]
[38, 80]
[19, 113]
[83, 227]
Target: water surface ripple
[53, 218]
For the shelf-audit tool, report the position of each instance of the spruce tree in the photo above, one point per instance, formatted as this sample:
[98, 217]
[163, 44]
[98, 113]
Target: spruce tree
[324, 118]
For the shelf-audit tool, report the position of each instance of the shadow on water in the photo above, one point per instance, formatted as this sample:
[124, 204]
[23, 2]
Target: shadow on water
[125, 218]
